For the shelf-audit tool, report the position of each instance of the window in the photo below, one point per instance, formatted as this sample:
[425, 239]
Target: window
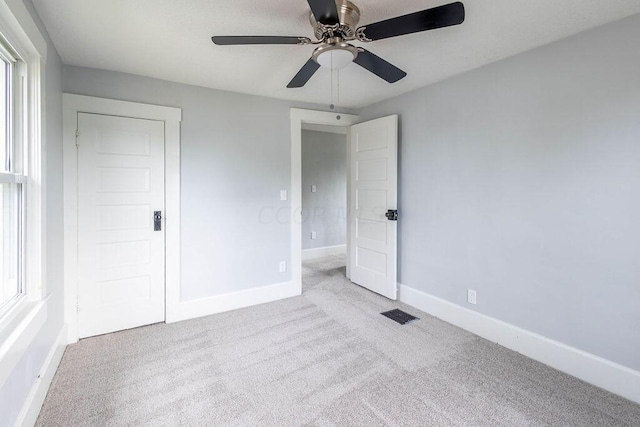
[12, 179]
[23, 302]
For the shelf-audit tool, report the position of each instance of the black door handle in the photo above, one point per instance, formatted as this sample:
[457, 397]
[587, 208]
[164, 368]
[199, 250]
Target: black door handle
[157, 221]
[392, 214]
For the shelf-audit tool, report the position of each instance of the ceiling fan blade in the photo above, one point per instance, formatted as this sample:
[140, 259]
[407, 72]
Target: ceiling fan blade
[237, 40]
[305, 73]
[325, 11]
[379, 66]
[430, 19]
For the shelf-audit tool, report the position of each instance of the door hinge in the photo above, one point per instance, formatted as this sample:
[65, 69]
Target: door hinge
[77, 136]
[78, 304]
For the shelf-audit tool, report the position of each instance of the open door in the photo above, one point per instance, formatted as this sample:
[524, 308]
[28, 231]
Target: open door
[373, 193]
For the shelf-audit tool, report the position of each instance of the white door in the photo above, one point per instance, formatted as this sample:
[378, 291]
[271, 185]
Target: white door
[120, 256]
[373, 191]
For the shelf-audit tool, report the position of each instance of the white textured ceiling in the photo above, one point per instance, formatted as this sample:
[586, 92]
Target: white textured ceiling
[171, 40]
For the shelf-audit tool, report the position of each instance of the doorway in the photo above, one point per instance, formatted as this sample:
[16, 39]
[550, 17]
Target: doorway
[114, 151]
[300, 118]
[372, 214]
[324, 196]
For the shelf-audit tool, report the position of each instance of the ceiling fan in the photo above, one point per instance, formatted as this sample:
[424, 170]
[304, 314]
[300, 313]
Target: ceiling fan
[335, 24]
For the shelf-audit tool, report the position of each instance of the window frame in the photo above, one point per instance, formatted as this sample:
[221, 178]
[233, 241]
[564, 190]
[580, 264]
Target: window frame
[13, 172]
[22, 39]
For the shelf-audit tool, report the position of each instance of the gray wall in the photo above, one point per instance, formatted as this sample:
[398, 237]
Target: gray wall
[235, 154]
[521, 180]
[324, 164]
[14, 392]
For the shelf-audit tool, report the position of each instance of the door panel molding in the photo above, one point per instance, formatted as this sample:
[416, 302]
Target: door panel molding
[171, 116]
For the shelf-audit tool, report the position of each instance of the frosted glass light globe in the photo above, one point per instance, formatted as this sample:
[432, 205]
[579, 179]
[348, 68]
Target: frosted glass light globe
[335, 58]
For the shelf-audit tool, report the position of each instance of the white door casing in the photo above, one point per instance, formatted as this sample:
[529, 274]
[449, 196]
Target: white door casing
[373, 167]
[120, 257]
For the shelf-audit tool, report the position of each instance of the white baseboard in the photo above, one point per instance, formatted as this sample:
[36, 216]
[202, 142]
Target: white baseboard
[234, 300]
[323, 252]
[33, 403]
[588, 367]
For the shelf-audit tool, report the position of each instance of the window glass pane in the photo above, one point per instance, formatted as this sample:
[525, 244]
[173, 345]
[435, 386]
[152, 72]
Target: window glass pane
[10, 286]
[4, 119]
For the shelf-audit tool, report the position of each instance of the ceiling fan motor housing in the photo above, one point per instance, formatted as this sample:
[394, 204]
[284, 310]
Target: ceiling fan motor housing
[348, 15]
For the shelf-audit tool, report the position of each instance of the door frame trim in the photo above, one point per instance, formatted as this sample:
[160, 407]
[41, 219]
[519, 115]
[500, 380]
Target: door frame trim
[298, 117]
[171, 116]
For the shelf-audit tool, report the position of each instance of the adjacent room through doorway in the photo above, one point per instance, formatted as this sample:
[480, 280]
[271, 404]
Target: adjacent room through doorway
[324, 197]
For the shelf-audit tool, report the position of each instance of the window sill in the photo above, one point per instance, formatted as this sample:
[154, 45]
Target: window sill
[8, 315]
[16, 335]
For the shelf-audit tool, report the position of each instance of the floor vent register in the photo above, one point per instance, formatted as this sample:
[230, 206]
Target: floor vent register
[399, 316]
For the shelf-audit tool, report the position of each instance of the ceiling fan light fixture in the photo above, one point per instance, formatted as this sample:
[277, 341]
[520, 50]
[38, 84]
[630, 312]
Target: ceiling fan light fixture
[335, 55]
[335, 59]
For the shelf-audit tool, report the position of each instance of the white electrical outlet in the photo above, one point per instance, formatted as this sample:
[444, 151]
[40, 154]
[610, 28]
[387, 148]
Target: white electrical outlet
[471, 296]
[283, 266]
[313, 235]
[314, 188]
[283, 194]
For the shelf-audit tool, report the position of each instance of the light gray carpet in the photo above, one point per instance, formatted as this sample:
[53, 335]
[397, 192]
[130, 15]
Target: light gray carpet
[325, 358]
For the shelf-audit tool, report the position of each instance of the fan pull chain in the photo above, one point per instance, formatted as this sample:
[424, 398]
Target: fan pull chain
[338, 93]
[331, 105]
